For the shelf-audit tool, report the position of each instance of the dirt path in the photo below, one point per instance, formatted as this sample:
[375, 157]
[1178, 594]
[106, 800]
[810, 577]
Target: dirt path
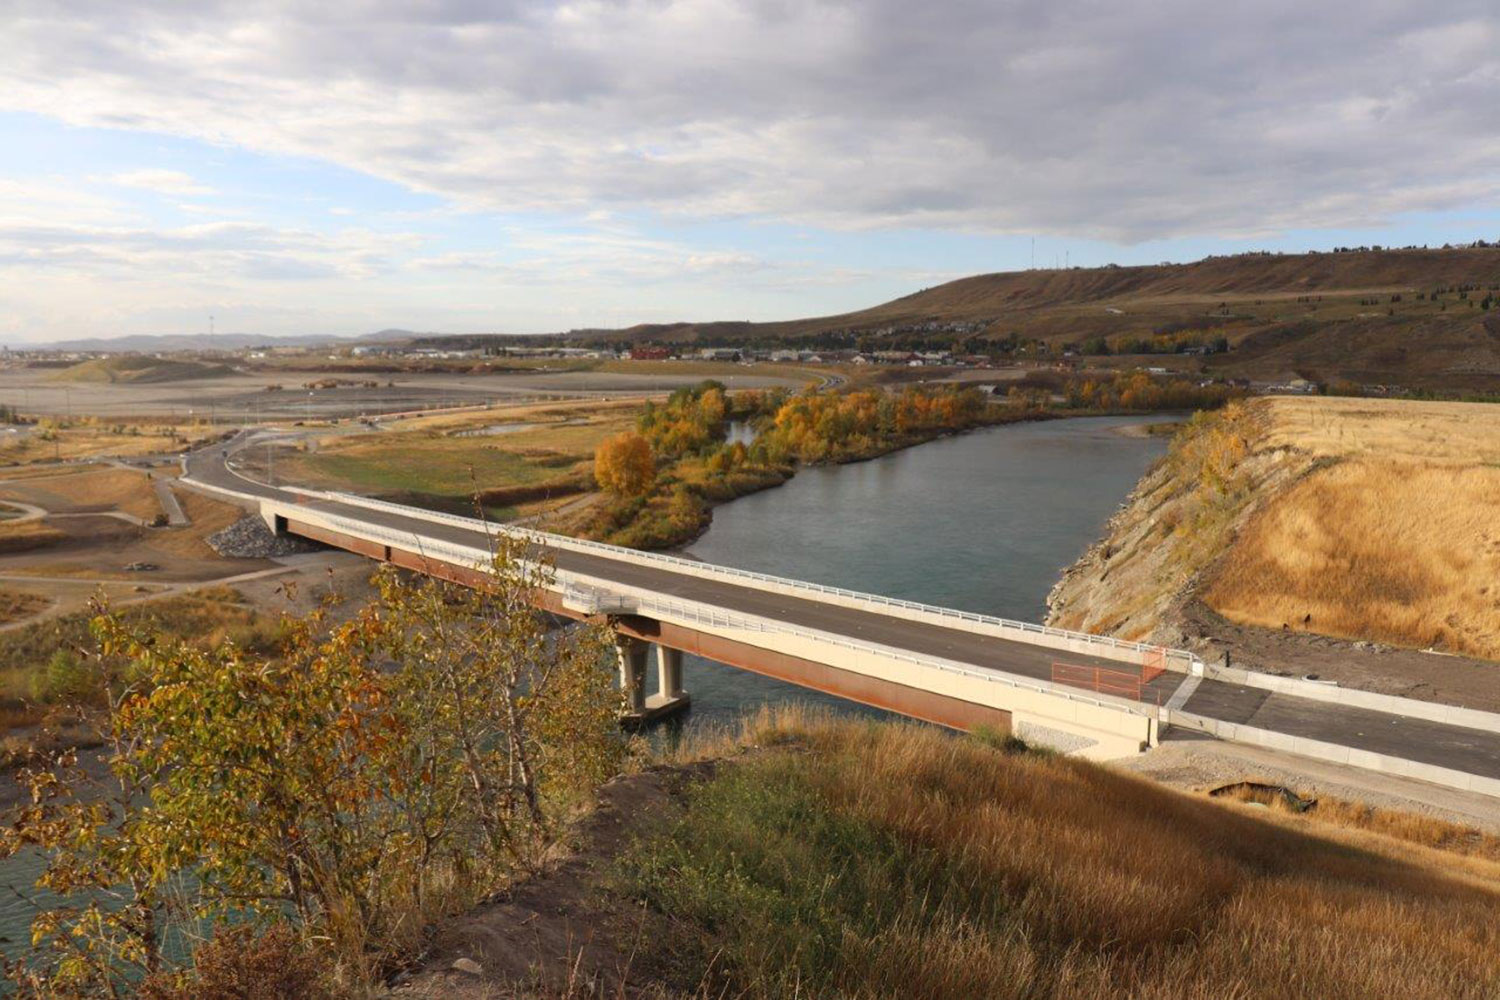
[556, 933]
[84, 590]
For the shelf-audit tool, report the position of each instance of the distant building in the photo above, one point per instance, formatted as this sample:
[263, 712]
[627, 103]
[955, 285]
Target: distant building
[645, 352]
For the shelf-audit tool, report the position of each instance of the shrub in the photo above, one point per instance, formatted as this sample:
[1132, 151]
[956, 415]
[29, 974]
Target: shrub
[367, 780]
[69, 679]
[239, 963]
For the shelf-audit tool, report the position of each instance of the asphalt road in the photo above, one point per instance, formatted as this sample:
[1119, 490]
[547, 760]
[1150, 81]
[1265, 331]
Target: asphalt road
[1471, 750]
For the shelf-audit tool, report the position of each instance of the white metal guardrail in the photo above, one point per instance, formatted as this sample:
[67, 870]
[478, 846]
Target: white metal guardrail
[1184, 657]
[663, 607]
[694, 612]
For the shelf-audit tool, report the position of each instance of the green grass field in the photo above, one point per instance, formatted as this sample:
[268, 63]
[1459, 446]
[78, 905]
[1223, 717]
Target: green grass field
[438, 462]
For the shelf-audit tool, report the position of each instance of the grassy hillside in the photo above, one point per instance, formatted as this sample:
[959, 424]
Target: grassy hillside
[867, 860]
[139, 369]
[1368, 317]
[1356, 518]
[817, 858]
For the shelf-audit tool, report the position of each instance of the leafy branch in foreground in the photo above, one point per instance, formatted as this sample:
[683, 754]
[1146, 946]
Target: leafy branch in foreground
[370, 777]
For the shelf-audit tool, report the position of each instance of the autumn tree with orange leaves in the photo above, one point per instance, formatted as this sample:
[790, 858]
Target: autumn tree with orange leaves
[624, 464]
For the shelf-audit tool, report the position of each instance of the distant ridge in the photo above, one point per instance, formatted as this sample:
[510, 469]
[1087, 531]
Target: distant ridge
[1418, 318]
[1048, 302]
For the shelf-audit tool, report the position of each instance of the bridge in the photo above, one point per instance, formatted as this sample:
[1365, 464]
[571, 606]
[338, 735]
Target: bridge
[1100, 696]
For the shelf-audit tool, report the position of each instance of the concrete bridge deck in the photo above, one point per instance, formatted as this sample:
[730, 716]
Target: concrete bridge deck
[1379, 739]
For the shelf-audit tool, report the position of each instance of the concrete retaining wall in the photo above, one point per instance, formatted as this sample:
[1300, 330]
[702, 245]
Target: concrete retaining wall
[1336, 753]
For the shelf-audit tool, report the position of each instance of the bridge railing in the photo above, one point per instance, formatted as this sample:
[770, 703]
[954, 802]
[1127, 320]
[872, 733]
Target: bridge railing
[1149, 654]
[601, 600]
[650, 605]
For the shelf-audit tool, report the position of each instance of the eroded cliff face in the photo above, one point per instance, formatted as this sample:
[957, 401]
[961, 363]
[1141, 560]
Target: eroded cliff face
[1158, 548]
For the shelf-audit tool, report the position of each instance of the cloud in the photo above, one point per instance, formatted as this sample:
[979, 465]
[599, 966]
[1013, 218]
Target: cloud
[212, 252]
[53, 201]
[1069, 117]
[173, 182]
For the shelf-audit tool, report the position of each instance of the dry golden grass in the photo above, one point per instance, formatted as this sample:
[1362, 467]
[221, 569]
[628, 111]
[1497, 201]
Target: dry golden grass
[428, 455]
[91, 438]
[1399, 541]
[1393, 825]
[18, 604]
[1463, 434]
[901, 861]
[27, 535]
[551, 411]
[99, 488]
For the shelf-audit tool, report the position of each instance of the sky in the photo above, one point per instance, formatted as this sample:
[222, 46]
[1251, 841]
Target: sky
[513, 166]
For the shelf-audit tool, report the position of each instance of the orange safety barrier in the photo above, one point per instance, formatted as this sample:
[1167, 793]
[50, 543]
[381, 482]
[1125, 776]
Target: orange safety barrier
[1153, 664]
[1119, 683]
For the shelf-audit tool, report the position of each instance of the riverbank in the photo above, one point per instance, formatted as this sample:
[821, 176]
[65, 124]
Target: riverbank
[1350, 538]
[680, 528]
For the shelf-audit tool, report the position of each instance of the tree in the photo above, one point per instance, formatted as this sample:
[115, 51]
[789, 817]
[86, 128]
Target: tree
[368, 778]
[624, 464]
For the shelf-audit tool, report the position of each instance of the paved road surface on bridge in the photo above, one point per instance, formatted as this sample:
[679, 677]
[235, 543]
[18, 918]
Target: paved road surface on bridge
[1471, 750]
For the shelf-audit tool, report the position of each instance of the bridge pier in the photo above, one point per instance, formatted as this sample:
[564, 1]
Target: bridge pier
[632, 656]
[670, 698]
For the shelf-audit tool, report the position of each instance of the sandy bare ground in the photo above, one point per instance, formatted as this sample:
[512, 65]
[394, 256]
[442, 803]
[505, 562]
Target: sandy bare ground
[245, 397]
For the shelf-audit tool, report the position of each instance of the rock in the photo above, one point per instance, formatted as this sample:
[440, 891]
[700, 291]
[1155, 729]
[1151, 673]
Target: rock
[249, 538]
[467, 965]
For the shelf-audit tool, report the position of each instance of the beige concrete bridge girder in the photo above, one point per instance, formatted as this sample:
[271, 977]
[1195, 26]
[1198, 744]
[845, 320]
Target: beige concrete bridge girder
[955, 695]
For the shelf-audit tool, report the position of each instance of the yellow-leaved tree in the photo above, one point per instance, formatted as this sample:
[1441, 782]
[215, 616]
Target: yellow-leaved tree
[624, 465]
[368, 778]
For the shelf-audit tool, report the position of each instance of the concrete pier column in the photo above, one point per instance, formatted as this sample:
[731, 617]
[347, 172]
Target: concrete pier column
[632, 656]
[669, 673]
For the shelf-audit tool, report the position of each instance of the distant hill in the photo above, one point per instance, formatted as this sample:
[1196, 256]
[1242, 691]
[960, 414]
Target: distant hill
[139, 370]
[1410, 317]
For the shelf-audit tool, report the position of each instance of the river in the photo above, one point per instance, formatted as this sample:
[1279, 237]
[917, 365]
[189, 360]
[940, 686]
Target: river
[985, 522]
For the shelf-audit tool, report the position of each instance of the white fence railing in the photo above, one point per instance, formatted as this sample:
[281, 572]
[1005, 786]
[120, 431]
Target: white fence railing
[1183, 657]
[603, 601]
[599, 600]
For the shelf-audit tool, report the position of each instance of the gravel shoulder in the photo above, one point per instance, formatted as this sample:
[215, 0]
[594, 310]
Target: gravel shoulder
[1195, 763]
